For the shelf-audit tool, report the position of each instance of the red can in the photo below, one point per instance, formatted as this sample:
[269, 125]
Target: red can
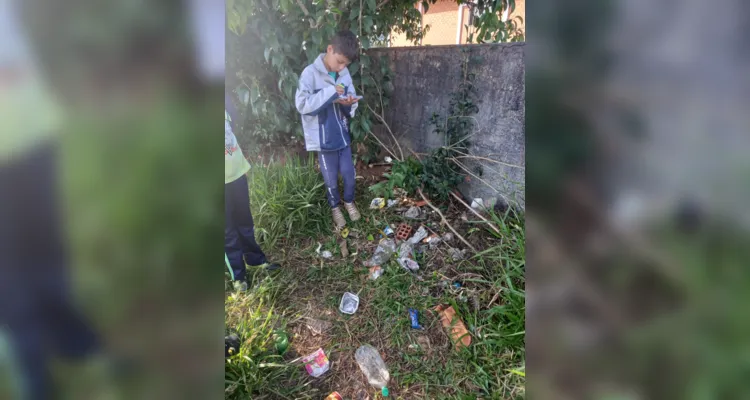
[334, 396]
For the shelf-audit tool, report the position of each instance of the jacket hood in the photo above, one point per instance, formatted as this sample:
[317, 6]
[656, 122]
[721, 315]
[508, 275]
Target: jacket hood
[321, 67]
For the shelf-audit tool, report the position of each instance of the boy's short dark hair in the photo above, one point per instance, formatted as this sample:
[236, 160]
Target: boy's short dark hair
[346, 44]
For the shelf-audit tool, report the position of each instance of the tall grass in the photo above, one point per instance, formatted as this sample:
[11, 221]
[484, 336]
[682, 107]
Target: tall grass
[255, 371]
[497, 357]
[288, 200]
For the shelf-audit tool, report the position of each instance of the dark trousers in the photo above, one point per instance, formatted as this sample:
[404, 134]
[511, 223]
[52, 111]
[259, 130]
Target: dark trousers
[35, 302]
[333, 163]
[239, 230]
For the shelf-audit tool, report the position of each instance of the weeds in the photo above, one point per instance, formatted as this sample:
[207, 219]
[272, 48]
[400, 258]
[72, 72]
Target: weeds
[423, 363]
[287, 199]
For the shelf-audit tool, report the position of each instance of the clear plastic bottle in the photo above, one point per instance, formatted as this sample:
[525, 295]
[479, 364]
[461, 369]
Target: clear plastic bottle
[373, 367]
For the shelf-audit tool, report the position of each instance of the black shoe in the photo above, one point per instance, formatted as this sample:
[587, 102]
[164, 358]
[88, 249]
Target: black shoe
[231, 345]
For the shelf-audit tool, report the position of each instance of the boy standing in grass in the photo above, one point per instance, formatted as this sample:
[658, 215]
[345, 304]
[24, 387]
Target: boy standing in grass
[239, 229]
[327, 100]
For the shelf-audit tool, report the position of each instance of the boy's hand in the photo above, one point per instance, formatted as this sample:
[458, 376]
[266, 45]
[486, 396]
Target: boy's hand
[346, 101]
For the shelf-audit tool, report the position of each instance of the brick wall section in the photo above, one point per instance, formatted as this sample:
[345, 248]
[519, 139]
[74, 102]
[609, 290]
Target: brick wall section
[425, 78]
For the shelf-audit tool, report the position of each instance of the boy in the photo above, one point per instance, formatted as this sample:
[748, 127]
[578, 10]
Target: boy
[239, 230]
[327, 100]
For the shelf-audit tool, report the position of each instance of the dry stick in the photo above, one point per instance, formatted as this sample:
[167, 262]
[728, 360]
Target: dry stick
[446, 221]
[491, 225]
[382, 119]
[384, 146]
[474, 157]
[480, 179]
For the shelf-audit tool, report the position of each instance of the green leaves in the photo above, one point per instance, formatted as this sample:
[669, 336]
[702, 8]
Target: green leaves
[272, 42]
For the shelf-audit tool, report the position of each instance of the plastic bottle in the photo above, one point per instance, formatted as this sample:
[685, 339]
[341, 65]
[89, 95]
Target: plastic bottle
[373, 367]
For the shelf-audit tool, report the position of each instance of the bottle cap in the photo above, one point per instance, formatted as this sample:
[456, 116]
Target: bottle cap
[385, 392]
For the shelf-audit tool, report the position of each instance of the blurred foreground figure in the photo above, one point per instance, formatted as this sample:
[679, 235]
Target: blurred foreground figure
[37, 317]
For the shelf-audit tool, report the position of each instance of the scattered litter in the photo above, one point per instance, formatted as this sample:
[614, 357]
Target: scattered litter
[413, 213]
[344, 248]
[477, 204]
[433, 241]
[448, 237]
[388, 159]
[345, 233]
[392, 203]
[325, 254]
[403, 232]
[281, 341]
[370, 237]
[382, 254]
[317, 326]
[334, 396]
[420, 203]
[458, 333]
[414, 319]
[349, 303]
[457, 285]
[375, 272]
[405, 250]
[316, 363]
[377, 203]
[408, 264]
[457, 254]
[373, 367]
[419, 235]
[388, 230]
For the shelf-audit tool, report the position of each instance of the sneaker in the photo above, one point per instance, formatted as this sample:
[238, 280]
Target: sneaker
[353, 212]
[338, 218]
[240, 286]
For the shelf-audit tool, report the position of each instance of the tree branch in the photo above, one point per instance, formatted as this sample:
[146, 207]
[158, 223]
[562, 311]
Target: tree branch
[458, 235]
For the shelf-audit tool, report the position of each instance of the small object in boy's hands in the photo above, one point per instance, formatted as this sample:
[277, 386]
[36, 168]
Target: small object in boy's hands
[414, 318]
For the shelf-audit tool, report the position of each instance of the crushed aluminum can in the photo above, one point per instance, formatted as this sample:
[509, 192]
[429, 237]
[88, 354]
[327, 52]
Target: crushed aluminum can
[414, 319]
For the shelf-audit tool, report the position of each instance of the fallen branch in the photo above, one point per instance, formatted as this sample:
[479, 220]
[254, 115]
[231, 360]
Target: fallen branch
[384, 146]
[479, 179]
[382, 119]
[491, 225]
[473, 157]
[458, 235]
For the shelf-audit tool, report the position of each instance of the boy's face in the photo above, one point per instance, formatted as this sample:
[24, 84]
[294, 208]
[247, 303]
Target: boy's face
[334, 61]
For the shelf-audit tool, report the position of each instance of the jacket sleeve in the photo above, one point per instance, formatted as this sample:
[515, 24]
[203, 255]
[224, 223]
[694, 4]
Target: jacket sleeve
[351, 109]
[309, 102]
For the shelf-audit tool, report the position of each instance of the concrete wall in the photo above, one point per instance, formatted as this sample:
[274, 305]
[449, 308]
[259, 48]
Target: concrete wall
[425, 78]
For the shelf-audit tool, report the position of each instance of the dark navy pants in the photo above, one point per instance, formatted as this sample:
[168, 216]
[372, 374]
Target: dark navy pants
[333, 163]
[35, 303]
[239, 230]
